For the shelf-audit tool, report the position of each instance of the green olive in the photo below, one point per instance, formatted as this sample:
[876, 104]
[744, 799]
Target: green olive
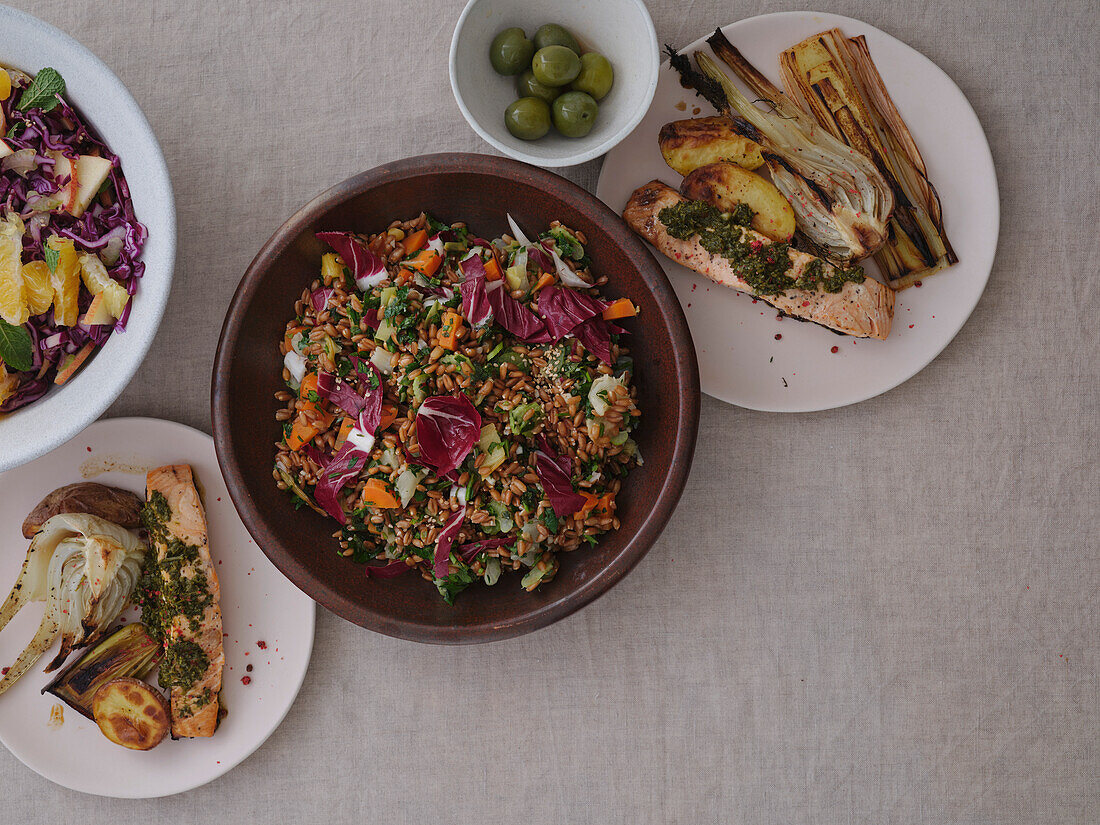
[528, 118]
[596, 75]
[511, 51]
[551, 34]
[575, 114]
[555, 66]
[527, 86]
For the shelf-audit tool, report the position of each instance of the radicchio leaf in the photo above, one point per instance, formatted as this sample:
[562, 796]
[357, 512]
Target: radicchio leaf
[447, 428]
[540, 258]
[595, 335]
[446, 539]
[320, 298]
[411, 459]
[553, 471]
[354, 394]
[387, 571]
[367, 268]
[467, 551]
[475, 303]
[563, 309]
[348, 462]
[516, 318]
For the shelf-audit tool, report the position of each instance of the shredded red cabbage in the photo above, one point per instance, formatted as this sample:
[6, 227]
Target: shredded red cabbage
[446, 539]
[447, 428]
[554, 473]
[113, 232]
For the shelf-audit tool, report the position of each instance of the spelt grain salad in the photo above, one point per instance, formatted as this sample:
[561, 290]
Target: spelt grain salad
[461, 407]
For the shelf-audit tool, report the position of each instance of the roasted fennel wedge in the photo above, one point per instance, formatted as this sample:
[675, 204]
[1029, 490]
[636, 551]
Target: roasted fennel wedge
[85, 569]
[840, 199]
[835, 79]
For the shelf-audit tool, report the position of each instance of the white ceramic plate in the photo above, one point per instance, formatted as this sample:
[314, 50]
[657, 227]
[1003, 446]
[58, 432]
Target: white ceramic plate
[258, 605]
[29, 44]
[746, 355]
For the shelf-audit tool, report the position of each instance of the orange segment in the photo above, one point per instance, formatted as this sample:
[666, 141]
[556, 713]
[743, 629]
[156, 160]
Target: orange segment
[65, 280]
[98, 281]
[36, 281]
[13, 295]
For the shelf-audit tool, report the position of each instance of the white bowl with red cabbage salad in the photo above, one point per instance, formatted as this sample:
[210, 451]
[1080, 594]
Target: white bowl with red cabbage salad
[70, 243]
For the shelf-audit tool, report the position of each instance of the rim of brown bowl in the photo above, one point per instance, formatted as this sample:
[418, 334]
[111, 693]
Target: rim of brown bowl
[686, 399]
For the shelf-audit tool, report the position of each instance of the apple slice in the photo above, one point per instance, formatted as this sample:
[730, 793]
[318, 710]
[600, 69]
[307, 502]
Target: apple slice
[64, 168]
[91, 171]
[72, 363]
[5, 150]
[98, 313]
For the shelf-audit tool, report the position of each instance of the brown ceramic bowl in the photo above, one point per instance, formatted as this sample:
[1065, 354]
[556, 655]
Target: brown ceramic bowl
[478, 189]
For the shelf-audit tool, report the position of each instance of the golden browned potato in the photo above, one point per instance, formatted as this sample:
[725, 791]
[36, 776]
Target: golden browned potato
[117, 506]
[724, 185]
[688, 144]
[131, 713]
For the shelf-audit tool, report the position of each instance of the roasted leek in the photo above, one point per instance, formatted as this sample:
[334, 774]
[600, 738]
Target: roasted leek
[834, 79]
[841, 200]
[129, 651]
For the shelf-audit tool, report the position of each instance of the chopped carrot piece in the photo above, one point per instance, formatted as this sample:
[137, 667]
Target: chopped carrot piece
[377, 494]
[545, 280]
[622, 308]
[290, 333]
[598, 505]
[451, 330]
[492, 270]
[345, 429]
[415, 241]
[389, 415]
[302, 430]
[427, 262]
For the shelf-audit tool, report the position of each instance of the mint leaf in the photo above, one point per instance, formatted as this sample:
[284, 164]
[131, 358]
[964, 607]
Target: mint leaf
[15, 347]
[51, 256]
[43, 91]
[16, 128]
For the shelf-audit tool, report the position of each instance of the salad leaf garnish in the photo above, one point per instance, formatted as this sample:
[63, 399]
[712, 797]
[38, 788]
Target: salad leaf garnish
[43, 91]
[52, 256]
[15, 347]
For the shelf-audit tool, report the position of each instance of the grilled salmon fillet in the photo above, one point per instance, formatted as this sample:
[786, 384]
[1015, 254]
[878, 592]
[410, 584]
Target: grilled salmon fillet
[199, 622]
[863, 310]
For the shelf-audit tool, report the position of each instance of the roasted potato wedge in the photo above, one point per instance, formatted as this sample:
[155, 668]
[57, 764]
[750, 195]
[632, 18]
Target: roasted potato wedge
[120, 507]
[131, 713]
[724, 185]
[688, 144]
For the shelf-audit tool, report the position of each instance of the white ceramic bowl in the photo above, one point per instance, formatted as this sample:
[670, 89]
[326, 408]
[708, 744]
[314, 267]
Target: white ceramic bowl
[621, 30]
[29, 44]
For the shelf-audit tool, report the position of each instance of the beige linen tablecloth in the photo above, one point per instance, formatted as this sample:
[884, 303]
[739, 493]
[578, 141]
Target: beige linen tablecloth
[881, 614]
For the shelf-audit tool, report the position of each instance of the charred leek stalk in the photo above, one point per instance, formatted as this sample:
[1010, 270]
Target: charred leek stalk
[835, 80]
[129, 651]
[841, 201]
